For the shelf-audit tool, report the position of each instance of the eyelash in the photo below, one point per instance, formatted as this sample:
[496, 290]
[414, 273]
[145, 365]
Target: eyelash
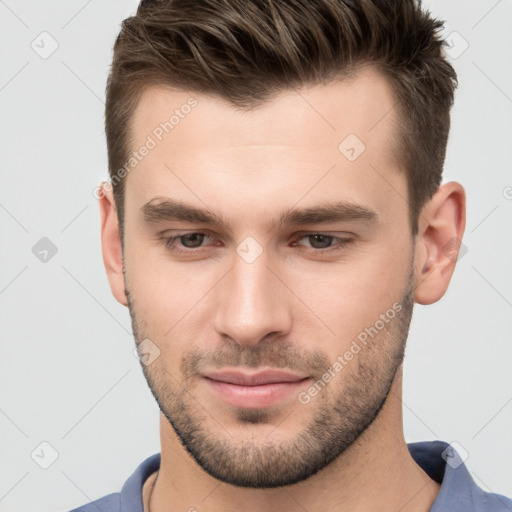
[169, 243]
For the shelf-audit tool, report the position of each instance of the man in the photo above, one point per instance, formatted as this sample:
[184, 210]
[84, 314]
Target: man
[276, 210]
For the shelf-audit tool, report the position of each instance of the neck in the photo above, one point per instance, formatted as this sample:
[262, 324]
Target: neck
[375, 473]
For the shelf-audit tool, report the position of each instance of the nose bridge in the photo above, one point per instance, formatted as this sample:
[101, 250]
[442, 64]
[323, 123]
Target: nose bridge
[252, 303]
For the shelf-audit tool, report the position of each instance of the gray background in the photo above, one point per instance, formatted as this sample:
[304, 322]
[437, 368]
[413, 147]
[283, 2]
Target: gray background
[68, 376]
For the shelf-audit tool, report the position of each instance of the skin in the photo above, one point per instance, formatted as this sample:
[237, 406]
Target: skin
[292, 307]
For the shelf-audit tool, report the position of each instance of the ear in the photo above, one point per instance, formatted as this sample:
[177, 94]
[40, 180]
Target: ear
[441, 226]
[111, 242]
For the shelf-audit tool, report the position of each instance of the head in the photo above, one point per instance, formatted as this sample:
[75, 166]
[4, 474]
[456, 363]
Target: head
[247, 52]
[276, 203]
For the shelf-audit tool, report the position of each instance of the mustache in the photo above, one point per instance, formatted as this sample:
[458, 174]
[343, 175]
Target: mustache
[267, 353]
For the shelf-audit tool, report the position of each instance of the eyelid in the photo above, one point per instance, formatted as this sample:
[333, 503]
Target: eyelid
[335, 234]
[339, 242]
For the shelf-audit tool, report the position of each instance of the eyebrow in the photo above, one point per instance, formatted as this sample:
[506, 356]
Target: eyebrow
[162, 209]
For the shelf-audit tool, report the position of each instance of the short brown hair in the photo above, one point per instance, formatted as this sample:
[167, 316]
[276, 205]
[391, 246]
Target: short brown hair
[245, 51]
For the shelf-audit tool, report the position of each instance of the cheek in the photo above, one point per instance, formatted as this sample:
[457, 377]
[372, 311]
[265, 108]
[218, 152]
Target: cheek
[171, 299]
[352, 295]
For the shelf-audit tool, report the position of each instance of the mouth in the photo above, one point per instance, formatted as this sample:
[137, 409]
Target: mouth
[253, 390]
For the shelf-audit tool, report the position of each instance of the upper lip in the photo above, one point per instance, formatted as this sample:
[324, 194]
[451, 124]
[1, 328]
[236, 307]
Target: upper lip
[253, 379]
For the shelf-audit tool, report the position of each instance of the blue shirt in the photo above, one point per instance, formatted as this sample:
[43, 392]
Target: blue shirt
[441, 462]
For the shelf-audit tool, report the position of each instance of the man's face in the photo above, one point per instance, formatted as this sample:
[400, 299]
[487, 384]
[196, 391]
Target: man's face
[254, 293]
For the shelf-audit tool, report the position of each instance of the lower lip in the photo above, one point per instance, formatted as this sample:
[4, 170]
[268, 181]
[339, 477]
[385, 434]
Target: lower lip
[254, 397]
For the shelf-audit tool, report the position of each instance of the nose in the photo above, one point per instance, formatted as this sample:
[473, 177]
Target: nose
[253, 303]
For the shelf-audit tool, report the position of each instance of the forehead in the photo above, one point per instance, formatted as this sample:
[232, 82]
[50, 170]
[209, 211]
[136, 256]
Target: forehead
[362, 104]
[203, 148]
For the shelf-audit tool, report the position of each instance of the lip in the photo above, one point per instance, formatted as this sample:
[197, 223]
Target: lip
[253, 390]
[253, 379]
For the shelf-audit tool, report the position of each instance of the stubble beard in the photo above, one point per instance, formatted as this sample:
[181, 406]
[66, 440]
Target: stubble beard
[341, 412]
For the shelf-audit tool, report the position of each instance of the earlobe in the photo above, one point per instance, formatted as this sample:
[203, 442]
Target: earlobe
[441, 227]
[111, 243]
